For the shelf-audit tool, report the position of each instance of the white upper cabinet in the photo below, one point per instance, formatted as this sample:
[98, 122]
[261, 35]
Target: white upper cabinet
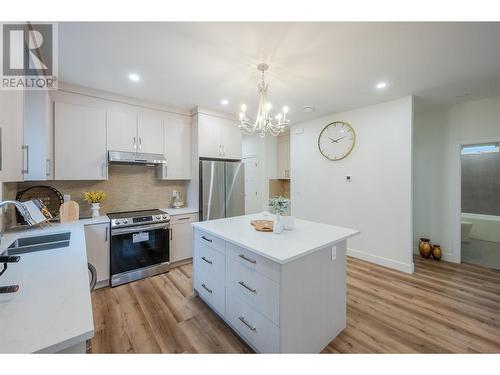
[218, 137]
[38, 162]
[284, 156]
[177, 143]
[121, 129]
[11, 136]
[80, 142]
[150, 132]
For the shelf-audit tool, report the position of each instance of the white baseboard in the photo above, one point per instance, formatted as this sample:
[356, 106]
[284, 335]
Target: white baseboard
[386, 262]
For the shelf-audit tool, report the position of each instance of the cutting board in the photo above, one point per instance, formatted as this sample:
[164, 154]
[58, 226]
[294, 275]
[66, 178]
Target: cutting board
[263, 225]
[69, 211]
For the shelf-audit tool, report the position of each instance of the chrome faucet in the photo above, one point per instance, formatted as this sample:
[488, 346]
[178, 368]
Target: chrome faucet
[22, 210]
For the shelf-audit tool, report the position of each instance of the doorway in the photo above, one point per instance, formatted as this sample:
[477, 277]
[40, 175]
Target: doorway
[252, 196]
[480, 204]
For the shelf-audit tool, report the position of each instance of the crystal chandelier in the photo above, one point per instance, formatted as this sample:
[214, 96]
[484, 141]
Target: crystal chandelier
[264, 121]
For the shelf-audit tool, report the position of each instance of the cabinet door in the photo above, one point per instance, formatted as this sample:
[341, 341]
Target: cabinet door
[209, 136]
[230, 139]
[284, 157]
[150, 132]
[11, 136]
[36, 130]
[181, 242]
[79, 142]
[121, 130]
[97, 241]
[177, 135]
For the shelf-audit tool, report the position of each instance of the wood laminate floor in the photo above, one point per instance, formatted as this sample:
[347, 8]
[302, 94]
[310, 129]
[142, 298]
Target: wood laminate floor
[441, 308]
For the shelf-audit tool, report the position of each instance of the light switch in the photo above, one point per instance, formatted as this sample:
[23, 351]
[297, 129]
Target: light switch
[334, 252]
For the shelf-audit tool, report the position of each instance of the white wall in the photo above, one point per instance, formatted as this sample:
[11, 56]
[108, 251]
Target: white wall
[438, 136]
[378, 201]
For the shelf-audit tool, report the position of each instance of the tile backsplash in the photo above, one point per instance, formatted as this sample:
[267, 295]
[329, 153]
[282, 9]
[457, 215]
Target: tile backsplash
[129, 187]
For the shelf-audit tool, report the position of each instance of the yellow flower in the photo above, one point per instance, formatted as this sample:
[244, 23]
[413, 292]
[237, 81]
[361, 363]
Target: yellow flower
[94, 196]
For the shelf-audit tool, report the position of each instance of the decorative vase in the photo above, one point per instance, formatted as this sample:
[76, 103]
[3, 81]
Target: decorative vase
[436, 252]
[95, 207]
[425, 248]
[277, 225]
[288, 222]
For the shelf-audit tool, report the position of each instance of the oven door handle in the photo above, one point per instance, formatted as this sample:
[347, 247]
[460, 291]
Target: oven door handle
[116, 232]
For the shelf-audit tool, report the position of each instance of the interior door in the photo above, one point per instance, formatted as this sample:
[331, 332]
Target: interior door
[212, 190]
[121, 129]
[235, 189]
[251, 185]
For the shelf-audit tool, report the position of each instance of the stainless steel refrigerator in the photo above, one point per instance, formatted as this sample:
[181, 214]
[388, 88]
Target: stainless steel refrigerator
[222, 189]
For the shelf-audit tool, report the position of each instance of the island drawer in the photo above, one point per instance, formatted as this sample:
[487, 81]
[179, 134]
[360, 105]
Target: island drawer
[255, 262]
[210, 240]
[209, 262]
[255, 289]
[254, 327]
[187, 218]
[212, 291]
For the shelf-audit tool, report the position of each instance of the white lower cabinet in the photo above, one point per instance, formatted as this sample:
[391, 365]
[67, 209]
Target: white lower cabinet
[181, 236]
[97, 241]
[259, 332]
[242, 287]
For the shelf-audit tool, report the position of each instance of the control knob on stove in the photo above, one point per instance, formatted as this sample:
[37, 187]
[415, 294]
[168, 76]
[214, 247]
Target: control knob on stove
[117, 222]
[158, 217]
[164, 217]
[125, 221]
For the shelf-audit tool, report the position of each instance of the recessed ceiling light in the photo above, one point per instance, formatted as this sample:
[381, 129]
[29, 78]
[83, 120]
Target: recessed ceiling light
[381, 85]
[224, 102]
[309, 108]
[134, 77]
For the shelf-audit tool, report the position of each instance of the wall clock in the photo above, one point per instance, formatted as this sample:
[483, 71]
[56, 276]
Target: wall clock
[336, 140]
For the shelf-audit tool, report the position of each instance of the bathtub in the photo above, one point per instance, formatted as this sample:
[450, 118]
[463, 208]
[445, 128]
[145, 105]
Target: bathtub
[480, 227]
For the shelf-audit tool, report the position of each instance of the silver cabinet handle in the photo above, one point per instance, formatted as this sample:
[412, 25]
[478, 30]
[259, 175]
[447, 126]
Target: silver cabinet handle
[206, 239]
[103, 168]
[140, 143]
[171, 233]
[47, 167]
[206, 260]
[106, 233]
[205, 287]
[242, 256]
[135, 145]
[252, 327]
[26, 160]
[242, 283]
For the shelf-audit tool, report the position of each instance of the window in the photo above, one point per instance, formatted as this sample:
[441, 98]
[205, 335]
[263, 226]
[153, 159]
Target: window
[483, 148]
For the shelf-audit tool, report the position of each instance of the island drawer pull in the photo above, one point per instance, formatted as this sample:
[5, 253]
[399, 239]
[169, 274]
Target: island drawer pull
[242, 256]
[206, 239]
[242, 319]
[205, 287]
[206, 260]
[242, 283]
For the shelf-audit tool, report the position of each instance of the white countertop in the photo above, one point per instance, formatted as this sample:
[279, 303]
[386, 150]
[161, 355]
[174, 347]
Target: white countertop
[180, 211]
[282, 248]
[52, 309]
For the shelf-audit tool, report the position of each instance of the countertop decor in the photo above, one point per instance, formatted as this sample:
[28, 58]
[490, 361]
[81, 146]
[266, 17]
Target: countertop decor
[94, 198]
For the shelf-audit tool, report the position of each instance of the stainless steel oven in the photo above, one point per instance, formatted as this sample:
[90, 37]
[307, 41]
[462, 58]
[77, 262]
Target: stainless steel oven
[139, 245]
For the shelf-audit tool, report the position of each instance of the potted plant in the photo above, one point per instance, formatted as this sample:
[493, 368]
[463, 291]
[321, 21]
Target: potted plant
[278, 206]
[94, 198]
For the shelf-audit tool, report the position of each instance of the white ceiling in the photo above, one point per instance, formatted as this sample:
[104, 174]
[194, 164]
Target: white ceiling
[333, 66]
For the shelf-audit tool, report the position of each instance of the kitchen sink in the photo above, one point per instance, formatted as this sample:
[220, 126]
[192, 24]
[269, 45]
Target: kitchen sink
[26, 245]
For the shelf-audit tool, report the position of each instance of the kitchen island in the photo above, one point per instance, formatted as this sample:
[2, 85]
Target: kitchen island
[281, 293]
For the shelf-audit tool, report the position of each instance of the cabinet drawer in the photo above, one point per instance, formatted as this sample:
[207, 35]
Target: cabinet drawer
[254, 261]
[260, 332]
[254, 288]
[179, 219]
[209, 262]
[212, 291]
[210, 240]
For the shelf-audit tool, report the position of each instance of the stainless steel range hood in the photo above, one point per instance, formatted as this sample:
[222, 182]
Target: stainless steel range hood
[124, 157]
